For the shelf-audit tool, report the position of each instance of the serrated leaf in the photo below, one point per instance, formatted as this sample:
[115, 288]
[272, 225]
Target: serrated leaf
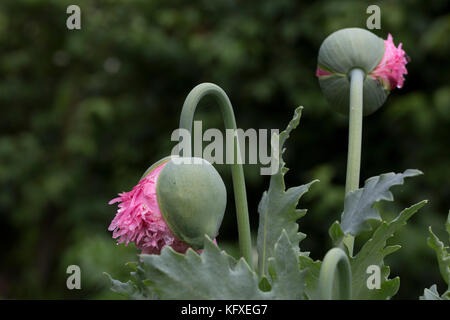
[373, 252]
[358, 204]
[431, 294]
[215, 275]
[211, 275]
[443, 258]
[288, 280]
[312, 276]
[442, 255]
[131, 289]
[278, 207]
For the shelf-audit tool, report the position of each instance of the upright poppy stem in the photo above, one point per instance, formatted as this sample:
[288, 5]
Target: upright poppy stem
[237, 171]
[354, 137]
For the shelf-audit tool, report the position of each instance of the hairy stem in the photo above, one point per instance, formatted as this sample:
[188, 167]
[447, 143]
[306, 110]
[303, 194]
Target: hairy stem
[335, 266]
[237, 171]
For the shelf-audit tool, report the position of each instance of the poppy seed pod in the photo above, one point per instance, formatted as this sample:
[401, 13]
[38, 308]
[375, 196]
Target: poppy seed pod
[347, 49]
[192, 198]
[176, 202]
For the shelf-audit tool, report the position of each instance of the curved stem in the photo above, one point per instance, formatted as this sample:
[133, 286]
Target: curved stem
[354, 137]
[335, 263]
[237, 171]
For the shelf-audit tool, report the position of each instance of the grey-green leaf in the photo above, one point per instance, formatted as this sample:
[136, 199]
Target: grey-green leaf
[278, 207]
[288, 280]
[431, 294]
[443, 256]
[211, 275]
[312, 276]
[131, 289]
[215, 275]
[358, 204]
[373, 252]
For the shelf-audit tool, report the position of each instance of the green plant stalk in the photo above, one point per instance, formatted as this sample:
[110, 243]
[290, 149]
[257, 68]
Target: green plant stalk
[237, 171]
[354, 138]
[335, 263]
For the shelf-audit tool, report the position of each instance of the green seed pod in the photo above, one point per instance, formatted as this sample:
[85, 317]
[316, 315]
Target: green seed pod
[192, 198]
[343, 51]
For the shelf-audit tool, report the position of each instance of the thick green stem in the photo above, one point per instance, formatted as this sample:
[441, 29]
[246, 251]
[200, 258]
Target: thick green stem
[355, 130]
[334, 264]
[237, 171]
[354, 136]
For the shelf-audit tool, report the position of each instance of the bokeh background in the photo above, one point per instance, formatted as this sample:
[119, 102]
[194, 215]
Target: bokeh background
[84, 113]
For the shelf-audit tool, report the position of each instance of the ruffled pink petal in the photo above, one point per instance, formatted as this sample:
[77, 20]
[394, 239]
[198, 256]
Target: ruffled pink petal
[392, 66]
[139, 218]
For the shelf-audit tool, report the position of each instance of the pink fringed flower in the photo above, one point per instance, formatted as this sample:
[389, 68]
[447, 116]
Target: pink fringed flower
[392, 66]
[139, 218]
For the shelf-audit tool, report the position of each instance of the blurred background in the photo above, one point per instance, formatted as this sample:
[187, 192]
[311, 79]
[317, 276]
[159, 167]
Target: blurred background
[85, 112]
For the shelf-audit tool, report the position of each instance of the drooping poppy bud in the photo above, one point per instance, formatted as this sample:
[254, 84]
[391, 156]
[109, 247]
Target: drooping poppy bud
[346, 49]
[175, 203]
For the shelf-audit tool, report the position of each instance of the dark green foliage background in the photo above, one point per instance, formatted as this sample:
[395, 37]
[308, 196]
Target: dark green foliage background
[84, 113]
